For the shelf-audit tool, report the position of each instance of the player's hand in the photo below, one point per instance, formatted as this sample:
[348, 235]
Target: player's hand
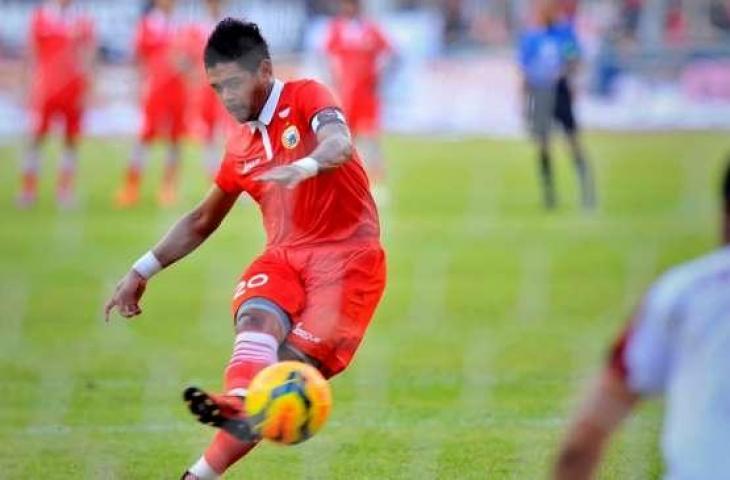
[288, 176]
[126, 296]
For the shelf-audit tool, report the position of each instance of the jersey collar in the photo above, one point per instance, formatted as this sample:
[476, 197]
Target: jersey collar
[267, 113]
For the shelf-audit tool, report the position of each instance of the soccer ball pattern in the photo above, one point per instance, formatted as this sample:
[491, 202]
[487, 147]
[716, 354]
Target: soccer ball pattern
[288, 402]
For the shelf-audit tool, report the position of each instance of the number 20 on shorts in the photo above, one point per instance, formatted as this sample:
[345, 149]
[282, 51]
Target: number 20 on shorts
[258, 280]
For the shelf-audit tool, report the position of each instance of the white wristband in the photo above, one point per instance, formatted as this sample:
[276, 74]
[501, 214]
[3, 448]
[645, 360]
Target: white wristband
[309, 165]
[147, 266]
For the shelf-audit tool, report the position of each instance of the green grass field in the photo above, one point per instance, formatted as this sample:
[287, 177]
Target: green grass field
[495, 316]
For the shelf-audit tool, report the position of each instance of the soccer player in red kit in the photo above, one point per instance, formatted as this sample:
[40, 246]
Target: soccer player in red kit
[311, 294]
[163, 66]
[62, 51]
[207, 114]
[359, 52]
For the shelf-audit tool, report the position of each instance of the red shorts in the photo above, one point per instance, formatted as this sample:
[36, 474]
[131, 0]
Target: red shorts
[67, 106]
[163, 112]
[363, 114]
[330, 293]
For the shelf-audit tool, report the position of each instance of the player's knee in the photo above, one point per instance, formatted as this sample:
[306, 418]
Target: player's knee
[260, 315]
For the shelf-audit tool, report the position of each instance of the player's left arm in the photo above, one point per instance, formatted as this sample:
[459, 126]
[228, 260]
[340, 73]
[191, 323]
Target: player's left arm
[334, 148]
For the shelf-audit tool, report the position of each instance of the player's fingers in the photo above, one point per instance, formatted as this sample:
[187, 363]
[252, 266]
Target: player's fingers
[132, 310]
[108, 309]
[127, 311]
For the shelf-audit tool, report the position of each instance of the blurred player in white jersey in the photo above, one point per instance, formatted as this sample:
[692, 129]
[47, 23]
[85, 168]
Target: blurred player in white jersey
[678, 346]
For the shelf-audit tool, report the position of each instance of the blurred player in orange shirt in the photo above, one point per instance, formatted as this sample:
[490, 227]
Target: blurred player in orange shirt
[359, 52]
[62, 50]
[207, 116]
[162, 65]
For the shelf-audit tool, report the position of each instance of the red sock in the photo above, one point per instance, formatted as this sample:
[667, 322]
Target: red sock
[252, 353]
[133, 177]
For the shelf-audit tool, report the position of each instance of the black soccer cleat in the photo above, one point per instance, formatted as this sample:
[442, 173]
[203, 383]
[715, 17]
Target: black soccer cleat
[220, 412]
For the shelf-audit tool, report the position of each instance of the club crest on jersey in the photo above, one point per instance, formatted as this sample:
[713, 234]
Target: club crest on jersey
[290, 138]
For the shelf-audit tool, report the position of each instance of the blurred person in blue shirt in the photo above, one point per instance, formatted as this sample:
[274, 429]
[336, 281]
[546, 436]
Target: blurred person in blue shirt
[549, 53]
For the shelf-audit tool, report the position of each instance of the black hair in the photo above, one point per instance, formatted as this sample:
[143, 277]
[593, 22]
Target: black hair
[726, 186]
[237, 41]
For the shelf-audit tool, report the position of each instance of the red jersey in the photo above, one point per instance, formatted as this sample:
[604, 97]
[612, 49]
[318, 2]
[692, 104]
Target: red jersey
[195, 36]
[334, 206]
[62, 43]
[356, 49]
[160, 50]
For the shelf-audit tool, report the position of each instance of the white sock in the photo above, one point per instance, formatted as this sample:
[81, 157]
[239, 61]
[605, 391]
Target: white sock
[255, 347]
[173, 156]
[139, 156]
[203, 471]
[32, 162]
[68, 161]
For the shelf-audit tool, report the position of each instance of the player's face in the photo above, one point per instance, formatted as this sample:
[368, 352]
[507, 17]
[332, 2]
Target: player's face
[242, 92]
[63, 3]
[350, 8]
[165, 5]
[214, 5]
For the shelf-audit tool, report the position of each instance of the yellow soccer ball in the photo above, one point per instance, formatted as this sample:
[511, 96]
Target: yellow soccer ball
[288, 402]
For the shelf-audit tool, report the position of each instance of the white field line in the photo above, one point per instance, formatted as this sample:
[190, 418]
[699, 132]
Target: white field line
[14, 301]
[100, 466]
[215, 310]
[430, 280]
[483, 204]
[477, 372]
[425, 450]
[533, 299]
[427, 309]
[371, 371]
[692, 201]
[54, 394]
[357, 422]
[156, 399]
[68, 231]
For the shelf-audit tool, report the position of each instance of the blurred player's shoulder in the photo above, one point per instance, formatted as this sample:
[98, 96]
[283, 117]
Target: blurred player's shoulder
[300, 86]
[681, 282]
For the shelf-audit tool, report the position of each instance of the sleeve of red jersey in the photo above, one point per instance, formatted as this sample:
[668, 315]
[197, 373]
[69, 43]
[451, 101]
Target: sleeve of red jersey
[642, 355]
[225, 179]
[313, 98]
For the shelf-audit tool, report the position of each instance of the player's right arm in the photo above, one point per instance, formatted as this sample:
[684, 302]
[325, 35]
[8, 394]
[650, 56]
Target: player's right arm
[638, 368]
[184, 237]
[606, 405]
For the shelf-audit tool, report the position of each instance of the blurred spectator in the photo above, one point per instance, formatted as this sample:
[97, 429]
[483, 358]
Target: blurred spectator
[720, 15]
[675, 23]
[456, 27]
[608, 63]
[630, 17]
[569, 9]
